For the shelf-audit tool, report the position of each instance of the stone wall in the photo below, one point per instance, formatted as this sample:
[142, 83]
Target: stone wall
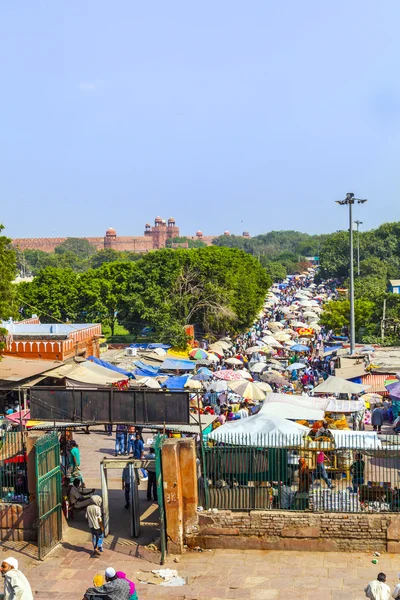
[278, 530]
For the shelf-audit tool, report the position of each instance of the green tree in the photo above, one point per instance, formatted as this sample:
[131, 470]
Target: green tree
[108, 255]
[79, 246]
[336, 314]
[102, 290]
[8, 307]
[53, 295]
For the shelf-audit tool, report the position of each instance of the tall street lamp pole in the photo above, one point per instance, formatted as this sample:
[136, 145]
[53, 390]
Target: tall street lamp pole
[358, 223]
[350, 200]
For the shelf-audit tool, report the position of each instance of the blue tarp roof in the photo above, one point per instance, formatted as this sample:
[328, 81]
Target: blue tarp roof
[107, 365]
[173, 364]
[145, 370]
[176, 382]
[150, 346]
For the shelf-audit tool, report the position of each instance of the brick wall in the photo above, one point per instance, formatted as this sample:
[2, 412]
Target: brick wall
[274, 530]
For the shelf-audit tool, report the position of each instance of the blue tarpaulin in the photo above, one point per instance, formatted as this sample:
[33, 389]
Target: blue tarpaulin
[107, 365]
[150, 346]
[145, 369]
[175, 383]
[173, 364]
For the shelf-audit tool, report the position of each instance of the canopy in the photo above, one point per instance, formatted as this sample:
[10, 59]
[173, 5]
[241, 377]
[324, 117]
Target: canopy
[299, 348]
[296, 366]
[171, 364]
[198, 353]
[86, 372]
[336, 385]
[258, 367]
[228, 375]
[108, 365]
[345, 406]
[260, 430]
[175, 383]
[233, 361]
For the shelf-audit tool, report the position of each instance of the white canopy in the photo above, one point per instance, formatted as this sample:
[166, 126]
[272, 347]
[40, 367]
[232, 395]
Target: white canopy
[261, 429]
[336, 385]
[345, 406]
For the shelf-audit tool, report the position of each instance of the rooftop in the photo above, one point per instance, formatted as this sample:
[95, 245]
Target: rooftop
[44, 329]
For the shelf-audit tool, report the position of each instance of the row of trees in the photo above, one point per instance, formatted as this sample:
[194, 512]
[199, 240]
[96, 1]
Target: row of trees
[215, 289]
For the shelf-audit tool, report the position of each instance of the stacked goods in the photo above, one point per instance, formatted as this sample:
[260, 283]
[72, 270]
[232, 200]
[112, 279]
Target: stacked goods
[334, 501]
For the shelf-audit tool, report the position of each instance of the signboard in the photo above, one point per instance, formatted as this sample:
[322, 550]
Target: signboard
[108, 405]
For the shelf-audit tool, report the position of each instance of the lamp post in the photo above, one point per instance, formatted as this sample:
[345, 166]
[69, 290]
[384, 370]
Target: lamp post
[358, 223]
[350, 200]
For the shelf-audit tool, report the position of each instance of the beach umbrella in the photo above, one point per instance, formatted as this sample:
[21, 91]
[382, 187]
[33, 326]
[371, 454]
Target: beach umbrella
[274, 378]
[315, 327]
[297, 324]
[193, 384]
[265, 387]
[201, 377]
[394, 389]
[204, 362]
[198, 353]
[217, 347]
[252, 350]
[206, 371]
[268, 340]
[282, 337]
[309, 313]
[218, 386]
[228, 375]
[373, 398]
[233, 361]
[258, 367]
[244, 374]
[300, 348]
[247, 389]
[213, 358]
[296, 367]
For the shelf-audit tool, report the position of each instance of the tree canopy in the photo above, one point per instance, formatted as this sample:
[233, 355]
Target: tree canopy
[8, 307]
[215, 289]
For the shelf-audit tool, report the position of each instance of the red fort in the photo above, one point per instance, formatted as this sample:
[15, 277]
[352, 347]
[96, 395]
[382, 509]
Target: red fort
[155, 237]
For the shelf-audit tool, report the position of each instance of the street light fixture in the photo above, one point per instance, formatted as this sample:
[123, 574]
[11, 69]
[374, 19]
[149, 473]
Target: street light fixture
[358, 223]
[350, 200]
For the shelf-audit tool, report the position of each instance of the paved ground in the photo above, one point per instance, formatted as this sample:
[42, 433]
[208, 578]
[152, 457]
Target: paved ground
[213, 575]
[216, 575]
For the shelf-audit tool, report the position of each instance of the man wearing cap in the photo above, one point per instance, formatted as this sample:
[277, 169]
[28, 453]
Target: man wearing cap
[16, 585]
[113, 589]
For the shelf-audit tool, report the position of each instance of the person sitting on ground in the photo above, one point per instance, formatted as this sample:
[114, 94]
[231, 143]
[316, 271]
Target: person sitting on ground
[378, 589]
[324, 431]
[113, 589]
[78, 499]
[132, 586]
[16, 585]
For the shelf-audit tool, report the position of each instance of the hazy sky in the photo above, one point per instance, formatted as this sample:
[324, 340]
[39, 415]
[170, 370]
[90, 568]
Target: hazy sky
[224, 114]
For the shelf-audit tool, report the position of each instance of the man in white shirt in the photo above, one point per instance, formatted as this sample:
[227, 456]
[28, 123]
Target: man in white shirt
[16, 585]
[378, 589]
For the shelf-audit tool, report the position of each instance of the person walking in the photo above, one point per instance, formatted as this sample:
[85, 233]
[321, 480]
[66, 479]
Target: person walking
[152, 481]
[131, 439]
[94, 518]
[138, 449]
[377, 418]
[378, 589]
[357, 472]
[120, 437]
[16, 585]
[126, 486]
[320, 471]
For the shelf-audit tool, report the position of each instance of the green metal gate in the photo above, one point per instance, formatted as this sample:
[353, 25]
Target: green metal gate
[158, 442]
[48, 492]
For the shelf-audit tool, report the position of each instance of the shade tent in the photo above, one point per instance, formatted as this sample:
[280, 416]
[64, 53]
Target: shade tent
[345, 406]
[171, 364]
[175, 383]
[336, 385]
[306, 402]
[148, 382]
[260, 429]
[292, 411]
[86, 372]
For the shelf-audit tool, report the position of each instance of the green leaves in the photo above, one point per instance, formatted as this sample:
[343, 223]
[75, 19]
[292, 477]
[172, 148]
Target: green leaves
[8, 307]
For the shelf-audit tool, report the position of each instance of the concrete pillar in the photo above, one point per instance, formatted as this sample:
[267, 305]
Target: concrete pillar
[173, 502]
[188, 467]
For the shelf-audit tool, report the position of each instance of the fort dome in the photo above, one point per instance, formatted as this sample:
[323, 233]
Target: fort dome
[111, 231]
[198, 232]
[171, 220]
[226, 232]
[158, 220]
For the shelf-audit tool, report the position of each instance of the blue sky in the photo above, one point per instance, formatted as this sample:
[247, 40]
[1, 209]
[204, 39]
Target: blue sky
[223, 114]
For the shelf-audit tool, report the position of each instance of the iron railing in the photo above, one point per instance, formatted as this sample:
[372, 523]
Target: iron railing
[348, 473]
[13, 468]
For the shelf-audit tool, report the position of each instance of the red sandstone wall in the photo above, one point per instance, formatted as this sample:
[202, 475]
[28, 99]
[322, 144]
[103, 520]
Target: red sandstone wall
[50, 244]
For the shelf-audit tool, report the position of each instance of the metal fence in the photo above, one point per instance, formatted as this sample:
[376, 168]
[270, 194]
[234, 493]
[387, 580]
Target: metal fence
[13, 469]
[348, 473]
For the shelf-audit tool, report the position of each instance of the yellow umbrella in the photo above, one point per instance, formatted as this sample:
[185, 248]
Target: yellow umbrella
[246, 389]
